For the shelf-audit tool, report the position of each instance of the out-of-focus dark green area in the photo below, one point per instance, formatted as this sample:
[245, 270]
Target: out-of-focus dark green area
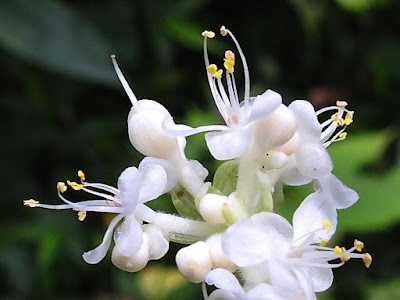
[63, 109]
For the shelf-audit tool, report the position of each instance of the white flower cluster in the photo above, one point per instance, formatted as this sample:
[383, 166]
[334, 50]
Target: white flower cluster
[236, 241]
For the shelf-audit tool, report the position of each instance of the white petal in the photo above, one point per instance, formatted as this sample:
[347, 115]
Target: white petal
[153, 105]
[96, 255]
[264, 104]
[309, 217]
[228, 144]
[341, 195]
[224, 280]
[294, 178]
[313, 160]
[224, 295]
[198, 168]
[154, 182]
[170, 169]
[322, 278]
[276, 225]
[157, 243]
[263, 291]
[306, 283]
[173, 129]
[129, 183]
[282, 277]
[128, 237]
[246, 243]
[308, 126]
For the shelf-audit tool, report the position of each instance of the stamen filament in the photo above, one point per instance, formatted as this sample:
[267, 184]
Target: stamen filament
[123, 81]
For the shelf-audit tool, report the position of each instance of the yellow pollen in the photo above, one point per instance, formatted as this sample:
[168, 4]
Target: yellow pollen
[31, 203]
[212, 69]
[327, 225]
[340, 122]
[337, 250]
[81, 175]
[343, 136]
[359, 245]
[229, 55]
[75, 185]
[218, 74]
[223, 31]
[341, 103]
[367, 259]
[348, 119]
[323, 242]
[208, 34]
[229, 65]
[61, 187]
[335, 117]
[81, 215]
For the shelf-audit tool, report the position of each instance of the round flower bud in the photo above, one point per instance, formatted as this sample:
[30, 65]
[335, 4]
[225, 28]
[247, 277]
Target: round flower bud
[219, 260]
[291, 146]
[132, 263]
[275, 129]
[210, 208]
[145, 130]
[275, 160]
[194, 262]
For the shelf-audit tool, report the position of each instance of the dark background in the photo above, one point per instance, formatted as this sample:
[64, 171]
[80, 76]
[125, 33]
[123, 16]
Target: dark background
[63, 109]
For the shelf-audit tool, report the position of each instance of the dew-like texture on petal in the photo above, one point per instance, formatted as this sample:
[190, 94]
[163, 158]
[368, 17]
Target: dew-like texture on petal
[264, 104]
[341, 195]
[224, 280]
[309, 217]
[157, 243]
[282, 277]
[263, 291]
[322, 278]
[129, 183]
[170, 169]
[228, 144]
[96, 255]
[246, 243]
[153, 184]
[128, 237]
[305, 282]
[313, 160]
[308, 126]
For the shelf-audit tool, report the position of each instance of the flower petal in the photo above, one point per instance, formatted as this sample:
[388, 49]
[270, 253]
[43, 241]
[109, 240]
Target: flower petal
[341, 195]
[294, 178]
[263, 104]
[129, 183]
[322, 278]
[278, 227]
[263, 291]
[313, 160]
[128, 237]
[228, 144]
[154, 182]
[170, 169]
[246, 243]
[308, 126]
[319, 207]
[282, 277]
[224, 280]
[157, 243]
[305, 282]
[173, 129]
[96, 255]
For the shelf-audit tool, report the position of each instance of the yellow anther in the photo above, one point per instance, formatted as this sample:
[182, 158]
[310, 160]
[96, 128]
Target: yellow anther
[335, 117]
[340, 122]
[345, 258]
[75, 185]
[208, 34]
[81, 215]
[81, 175]
[341, 103]
[343, 136]
[348, 119]
[212, 69]
[327, 225]
[223, 30]
[337, 250]
[61, 187]
[31, 203]
[323, 242]
[359, 245]
[229, 55]
[218, 74]
[367, 259]
[229, 65]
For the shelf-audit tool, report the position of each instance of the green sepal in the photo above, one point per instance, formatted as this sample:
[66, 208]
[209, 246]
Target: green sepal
[185, 203]
[266, 201]
[226, 176]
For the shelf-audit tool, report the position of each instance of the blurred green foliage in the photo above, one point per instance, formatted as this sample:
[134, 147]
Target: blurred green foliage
[63, 109]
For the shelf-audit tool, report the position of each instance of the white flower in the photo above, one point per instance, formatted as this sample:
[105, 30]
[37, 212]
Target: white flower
[135, 187]
[231, 140]
[292, 255]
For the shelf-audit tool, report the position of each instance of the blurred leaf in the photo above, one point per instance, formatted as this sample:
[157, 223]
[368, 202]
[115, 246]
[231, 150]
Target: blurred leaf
[378, 207]
[386, 291]
[361, 5]
[54, 37]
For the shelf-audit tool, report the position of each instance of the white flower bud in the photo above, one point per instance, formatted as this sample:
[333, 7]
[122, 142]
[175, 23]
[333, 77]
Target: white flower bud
[133, 263]
[210, 208]
[275, 129]
[146, 133]
[194, 262]
[291, 146]
[218, 258]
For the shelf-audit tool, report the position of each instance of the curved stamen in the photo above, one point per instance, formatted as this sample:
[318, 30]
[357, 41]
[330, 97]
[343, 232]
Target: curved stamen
[123, 81]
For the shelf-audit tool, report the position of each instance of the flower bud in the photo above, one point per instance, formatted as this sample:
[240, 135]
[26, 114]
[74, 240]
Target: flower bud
[210, 208]
[218, 258]
[132, 263]
[275, 129]
[146, 133]
[291, 146]
[275, 160]
[194, 261]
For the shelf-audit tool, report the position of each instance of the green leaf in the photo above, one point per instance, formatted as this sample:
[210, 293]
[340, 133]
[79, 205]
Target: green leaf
[52, 36]
[184, 203]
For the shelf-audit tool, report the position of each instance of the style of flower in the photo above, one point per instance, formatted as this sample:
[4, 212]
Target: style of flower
[231, 140]
[135, 187]
[296, 257]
